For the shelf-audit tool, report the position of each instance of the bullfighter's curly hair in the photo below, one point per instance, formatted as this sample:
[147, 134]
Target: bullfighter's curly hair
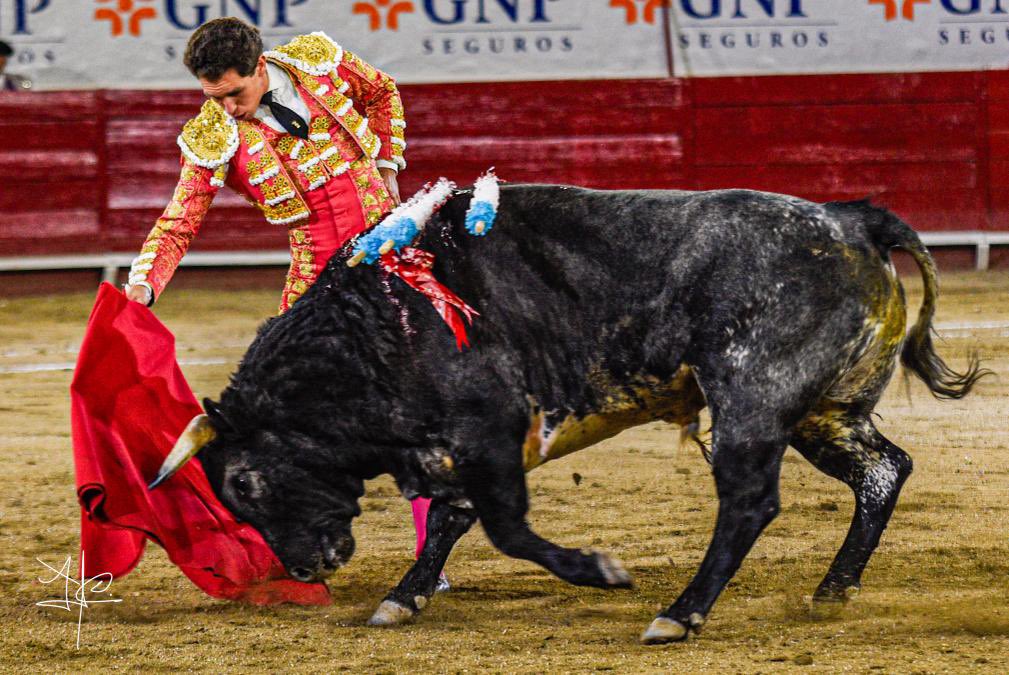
[222, 44]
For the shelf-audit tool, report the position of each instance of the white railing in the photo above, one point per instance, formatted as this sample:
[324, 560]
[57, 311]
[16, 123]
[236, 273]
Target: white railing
[111, 263]
[981, 241]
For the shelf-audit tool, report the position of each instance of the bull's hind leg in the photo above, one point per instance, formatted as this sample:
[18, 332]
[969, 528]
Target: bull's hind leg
[849, 448]
[445, 525]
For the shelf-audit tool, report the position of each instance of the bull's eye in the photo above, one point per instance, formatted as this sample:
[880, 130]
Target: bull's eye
[242, 485]
[245, 485]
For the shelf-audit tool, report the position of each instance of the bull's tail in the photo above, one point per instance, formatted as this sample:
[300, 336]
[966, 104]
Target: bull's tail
[918, 354]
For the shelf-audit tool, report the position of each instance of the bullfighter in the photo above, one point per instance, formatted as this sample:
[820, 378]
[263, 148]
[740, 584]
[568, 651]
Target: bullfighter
[308, 133]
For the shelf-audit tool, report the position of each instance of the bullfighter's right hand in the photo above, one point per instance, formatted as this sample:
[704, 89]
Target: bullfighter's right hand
[139, 293]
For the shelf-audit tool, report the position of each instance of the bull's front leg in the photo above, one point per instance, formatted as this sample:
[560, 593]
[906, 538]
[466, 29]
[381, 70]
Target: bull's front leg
[498, 492]
[445, 525]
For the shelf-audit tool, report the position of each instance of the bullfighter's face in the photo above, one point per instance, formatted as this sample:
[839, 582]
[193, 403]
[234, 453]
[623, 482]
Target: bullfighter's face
[281, 486]
[239, 95]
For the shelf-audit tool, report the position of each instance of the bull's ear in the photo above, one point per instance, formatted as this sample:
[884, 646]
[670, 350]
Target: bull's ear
[218, 419]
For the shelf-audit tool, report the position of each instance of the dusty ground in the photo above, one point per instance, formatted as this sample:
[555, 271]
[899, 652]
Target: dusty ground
[935, 598]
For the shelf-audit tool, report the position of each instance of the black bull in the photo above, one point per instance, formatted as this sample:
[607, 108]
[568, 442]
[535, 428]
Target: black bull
[599, 311]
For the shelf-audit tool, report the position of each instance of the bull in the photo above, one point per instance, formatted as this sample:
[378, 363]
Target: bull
[599, 311]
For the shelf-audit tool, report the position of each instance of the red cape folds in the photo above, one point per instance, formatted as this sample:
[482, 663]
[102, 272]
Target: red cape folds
[129, 403]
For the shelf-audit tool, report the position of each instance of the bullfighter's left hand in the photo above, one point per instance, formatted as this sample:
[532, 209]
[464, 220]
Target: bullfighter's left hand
[389, 176]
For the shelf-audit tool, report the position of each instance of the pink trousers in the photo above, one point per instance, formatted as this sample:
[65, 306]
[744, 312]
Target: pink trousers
[420, 508]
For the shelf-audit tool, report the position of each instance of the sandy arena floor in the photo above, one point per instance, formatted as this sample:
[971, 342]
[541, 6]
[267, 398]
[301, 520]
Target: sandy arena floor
[935, 596]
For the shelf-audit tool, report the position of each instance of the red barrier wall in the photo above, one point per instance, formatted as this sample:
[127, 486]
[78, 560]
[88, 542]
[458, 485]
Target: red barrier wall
[90, 171]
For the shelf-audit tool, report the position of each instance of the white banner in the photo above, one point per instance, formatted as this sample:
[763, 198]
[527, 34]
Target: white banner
[769, 37]
[139, 43]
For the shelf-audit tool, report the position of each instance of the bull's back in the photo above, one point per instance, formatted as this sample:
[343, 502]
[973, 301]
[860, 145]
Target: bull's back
[602, 250]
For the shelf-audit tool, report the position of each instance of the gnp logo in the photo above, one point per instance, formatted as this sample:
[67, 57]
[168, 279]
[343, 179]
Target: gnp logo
[383, 12]
[123, 14]
[130, 16]
[906, 7]
[734, 25]
[454, 12]
[648, 10]
[492, 27]
[709, 9]
[738, 9]
[188, 15]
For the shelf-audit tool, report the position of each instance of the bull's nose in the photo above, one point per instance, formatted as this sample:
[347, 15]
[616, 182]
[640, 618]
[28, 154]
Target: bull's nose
[309, 575]
[302, 574]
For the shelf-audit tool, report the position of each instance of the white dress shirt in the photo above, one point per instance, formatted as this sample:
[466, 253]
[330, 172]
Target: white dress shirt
[285, 93]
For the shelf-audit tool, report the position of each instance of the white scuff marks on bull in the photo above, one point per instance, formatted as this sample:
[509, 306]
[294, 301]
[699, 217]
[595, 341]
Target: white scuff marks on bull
[767, 298]
[879, 482]
[831, 225]
[737, 354]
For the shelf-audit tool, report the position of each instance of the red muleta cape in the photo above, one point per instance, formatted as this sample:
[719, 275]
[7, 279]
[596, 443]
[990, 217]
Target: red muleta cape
[129, 404]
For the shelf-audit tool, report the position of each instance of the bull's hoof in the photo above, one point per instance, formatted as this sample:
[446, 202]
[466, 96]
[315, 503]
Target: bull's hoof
[829, 603]
[390, 613]
[664, 630]
[832, 594]
[613, 572]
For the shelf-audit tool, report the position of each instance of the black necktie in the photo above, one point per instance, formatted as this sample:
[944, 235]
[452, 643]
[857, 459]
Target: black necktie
[290, 120]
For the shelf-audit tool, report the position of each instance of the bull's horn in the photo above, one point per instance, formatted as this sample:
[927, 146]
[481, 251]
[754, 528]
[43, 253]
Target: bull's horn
[481, 225]
[197, 434]
[357, 259]
[387, 246]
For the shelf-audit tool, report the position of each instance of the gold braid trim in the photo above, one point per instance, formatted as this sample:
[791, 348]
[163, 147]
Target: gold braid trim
[211, 138]
[315, 54]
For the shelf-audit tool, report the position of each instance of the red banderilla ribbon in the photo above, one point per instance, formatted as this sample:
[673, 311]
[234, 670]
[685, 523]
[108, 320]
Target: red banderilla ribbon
[413, 266]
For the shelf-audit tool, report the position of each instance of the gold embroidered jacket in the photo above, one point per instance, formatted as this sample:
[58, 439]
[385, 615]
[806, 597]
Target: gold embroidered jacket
[219, 150]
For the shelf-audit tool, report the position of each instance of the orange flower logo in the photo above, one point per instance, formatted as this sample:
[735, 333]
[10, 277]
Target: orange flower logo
[647, 12]
[125, 15]
[373, 9]
[906, 9]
